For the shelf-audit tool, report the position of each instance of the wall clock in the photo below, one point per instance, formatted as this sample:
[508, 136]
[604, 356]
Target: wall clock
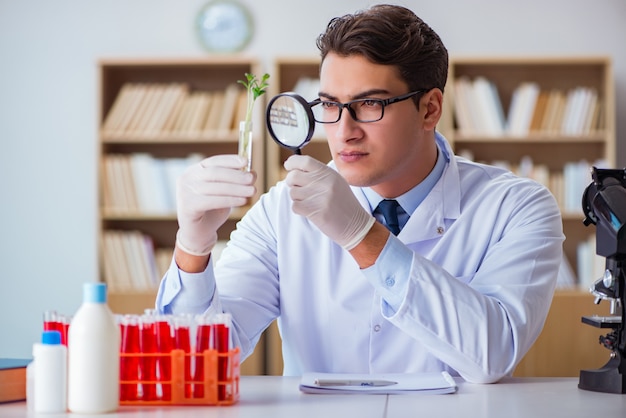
[224, 26]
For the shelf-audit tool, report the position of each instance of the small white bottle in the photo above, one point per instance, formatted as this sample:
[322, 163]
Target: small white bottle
[50, 374]
[93, 355]
[30, 386]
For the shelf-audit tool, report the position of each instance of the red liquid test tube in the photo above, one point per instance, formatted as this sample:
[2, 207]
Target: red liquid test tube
[49, 320]
[165, 345]
[64, 327]
[149, 350]
[52, 321]
[222, 344]
[203, 342]
[129, 365]
[182, 341]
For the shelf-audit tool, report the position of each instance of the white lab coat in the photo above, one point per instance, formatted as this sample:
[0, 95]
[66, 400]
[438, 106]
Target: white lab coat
[486, 248]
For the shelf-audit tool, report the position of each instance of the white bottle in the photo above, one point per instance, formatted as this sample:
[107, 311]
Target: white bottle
[50, 374]
[93, 355]
[30, 386]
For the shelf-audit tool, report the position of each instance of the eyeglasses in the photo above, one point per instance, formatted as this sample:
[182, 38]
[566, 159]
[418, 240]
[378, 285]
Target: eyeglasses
[361, 110]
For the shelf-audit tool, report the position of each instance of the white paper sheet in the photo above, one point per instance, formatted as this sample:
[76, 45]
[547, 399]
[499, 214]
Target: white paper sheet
[403, 383]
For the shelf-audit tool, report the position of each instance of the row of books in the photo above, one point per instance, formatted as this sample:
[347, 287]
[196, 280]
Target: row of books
[157, 110]
[479, 111]
[140, 183]
[567, 186]
[131, 263]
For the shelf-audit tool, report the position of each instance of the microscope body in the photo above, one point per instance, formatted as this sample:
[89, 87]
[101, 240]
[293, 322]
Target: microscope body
[604, 204]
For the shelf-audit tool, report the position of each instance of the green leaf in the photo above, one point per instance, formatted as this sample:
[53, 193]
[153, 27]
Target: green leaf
[255, 88]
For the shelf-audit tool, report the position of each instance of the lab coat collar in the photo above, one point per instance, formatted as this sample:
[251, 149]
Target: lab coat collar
[443, 202]
[440, 207]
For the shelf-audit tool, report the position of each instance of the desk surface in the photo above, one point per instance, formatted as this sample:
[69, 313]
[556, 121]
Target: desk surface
[272, 396]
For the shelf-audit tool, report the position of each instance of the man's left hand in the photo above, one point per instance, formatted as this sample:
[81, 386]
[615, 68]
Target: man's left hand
[325, 198]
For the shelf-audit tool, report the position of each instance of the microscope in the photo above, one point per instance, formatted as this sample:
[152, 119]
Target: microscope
[604, 205]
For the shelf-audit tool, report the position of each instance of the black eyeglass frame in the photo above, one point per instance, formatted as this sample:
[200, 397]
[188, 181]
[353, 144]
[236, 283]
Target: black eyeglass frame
[384, 103]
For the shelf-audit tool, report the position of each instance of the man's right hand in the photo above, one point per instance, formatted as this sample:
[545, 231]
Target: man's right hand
[205, 194]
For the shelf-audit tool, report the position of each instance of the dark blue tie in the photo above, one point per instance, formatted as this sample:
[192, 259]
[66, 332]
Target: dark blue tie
[389, 209]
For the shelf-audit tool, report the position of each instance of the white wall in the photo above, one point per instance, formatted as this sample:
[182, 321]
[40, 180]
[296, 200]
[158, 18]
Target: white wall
[48, 98]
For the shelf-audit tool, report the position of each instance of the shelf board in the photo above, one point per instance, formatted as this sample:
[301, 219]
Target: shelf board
[573, 216]
[146, 139]
[137, 216]
[237, 213]
[532, 138]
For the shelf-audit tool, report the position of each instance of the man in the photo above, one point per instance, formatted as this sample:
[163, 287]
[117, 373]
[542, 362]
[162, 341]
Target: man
[466, 284]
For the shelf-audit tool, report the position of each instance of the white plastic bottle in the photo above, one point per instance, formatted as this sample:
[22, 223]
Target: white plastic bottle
[49, 388]
[30, 386]
[93, 355]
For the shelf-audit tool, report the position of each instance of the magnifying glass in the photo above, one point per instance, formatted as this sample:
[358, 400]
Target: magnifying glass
[290, 121]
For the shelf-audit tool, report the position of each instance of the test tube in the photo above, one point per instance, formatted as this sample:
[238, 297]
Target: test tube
[222, 344]
[165, 344]
[149, 351]
[53, 321]
[182, 341]
[203, 342]
[129, 365]
[49, 320]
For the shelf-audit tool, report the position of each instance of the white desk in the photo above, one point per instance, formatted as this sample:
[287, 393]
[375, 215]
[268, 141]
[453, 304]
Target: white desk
[512, 398]
[270, 396]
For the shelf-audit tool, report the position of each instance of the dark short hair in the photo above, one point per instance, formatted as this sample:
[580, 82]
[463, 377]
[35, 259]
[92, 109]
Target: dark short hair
[390, 35]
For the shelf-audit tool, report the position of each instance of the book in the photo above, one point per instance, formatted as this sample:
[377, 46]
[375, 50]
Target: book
[212, 122]
[164, 106]
[137, 93]
[522, 108]
[148, 183]
[551, 121]
[199, 114]
[463, 117]
[118, 109]
[540, 111]
[391, 383]
[13, 379]
[182, 92]
[228, 110]
[489, 109]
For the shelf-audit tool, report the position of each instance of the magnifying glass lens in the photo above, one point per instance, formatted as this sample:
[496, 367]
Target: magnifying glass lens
[290, 121]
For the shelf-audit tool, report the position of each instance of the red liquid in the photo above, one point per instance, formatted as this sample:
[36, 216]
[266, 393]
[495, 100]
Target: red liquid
[203, 342]
[49, 321]
[222, 338]
[65, 329]
[148, 363]
[54, 322]
[183, 342]
[129, 366]
[165, 346]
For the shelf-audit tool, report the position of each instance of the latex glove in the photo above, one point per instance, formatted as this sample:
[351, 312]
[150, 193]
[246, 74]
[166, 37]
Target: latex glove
[325, 198]
[205, 194]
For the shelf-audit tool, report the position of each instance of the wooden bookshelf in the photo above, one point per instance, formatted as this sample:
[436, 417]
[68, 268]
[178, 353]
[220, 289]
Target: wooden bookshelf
[162, 135]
